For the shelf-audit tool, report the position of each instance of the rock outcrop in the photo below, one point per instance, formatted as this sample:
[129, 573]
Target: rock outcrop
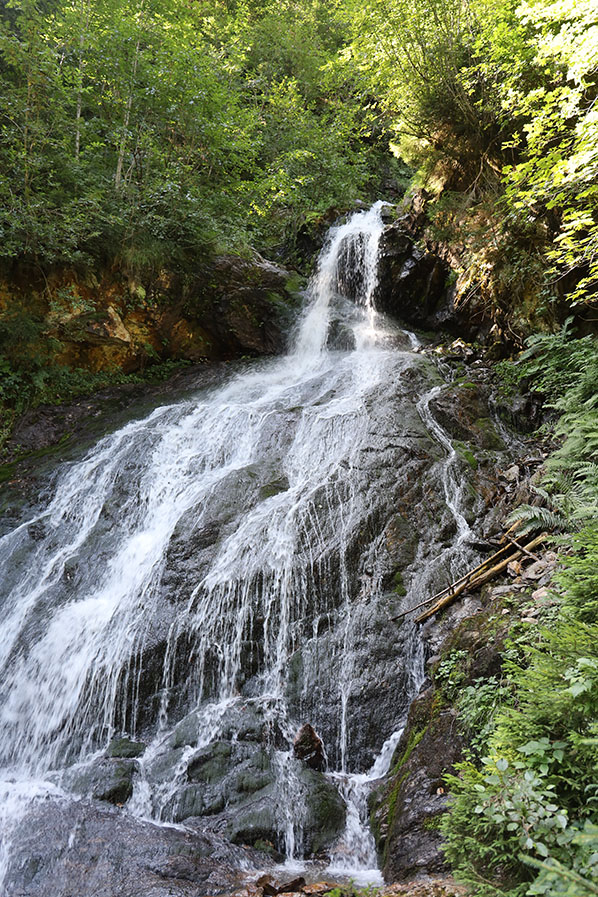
[413, 280]
[234, 783]
[309, 748]
[65, 848]
[405, 810]
[110, 321]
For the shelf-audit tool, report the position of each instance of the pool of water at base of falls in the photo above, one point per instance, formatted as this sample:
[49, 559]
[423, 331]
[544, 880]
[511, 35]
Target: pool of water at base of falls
[228, 557]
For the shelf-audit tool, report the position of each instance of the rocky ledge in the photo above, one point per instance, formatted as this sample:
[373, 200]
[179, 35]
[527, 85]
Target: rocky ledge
[66, 848]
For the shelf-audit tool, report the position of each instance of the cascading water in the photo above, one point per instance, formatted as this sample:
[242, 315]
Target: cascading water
[228, 556]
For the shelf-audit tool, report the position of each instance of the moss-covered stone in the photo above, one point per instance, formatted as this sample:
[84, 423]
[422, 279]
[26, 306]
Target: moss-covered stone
[399, 585]
[326, 811]
[275, 487]
[125, 748]
[412, 794]
[211, 763]
[466, 454]
[107, 779]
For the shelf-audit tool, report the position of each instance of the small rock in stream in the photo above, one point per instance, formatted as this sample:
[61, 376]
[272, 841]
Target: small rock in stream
[290, 887]
[309, 748]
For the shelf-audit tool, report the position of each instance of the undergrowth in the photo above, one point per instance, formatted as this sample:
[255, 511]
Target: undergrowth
[523, 817]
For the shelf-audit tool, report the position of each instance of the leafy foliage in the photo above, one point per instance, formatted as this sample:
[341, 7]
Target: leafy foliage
[532, 793]
[496, 100]
[149, 131]
[524, 818]
[563, 369]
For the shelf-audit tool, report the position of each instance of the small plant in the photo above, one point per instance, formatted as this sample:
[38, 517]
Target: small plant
[452, 672]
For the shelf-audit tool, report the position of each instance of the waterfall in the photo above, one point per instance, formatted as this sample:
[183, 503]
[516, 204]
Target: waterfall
[193, 561]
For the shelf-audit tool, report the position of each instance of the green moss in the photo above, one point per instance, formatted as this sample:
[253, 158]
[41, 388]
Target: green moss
[466, 454]
[265, 847]
[486, 428]
[399, 586]
[275, 487]
[295, 284]
[393, 798]
[8, 470]
[412, 742]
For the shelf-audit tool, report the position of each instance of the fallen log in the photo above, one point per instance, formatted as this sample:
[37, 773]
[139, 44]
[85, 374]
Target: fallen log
[524, 550]
[466, 577]
[480, 579]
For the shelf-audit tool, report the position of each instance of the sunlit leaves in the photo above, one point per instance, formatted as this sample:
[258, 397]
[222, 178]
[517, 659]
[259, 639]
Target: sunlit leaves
[245, 115]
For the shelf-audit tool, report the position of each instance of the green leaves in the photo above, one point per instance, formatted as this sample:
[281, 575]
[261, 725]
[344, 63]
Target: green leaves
[245, 116]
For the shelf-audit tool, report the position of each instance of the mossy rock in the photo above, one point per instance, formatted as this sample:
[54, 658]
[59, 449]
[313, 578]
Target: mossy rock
[326, 812]
[487, 435]
[110, 780]
[399, 586]
[211, 764]
[125, 748]
[466, 454]
[275, 487]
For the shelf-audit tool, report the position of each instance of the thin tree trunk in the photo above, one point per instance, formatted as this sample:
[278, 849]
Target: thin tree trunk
[83, 30]
[127, 116]
[26, 141]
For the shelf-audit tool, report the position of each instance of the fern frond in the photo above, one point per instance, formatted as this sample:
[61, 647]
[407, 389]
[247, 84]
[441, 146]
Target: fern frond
[533, 520]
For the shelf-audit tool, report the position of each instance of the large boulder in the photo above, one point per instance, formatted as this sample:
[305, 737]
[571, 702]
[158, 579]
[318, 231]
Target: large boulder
[412, 280]
[65, 848]
[109, 778]
[246, 784]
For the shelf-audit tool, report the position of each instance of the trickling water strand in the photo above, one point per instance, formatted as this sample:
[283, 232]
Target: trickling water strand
[453, 488]
[355, 856]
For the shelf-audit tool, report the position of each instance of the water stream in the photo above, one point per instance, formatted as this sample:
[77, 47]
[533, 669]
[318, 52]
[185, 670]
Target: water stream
[228, 555]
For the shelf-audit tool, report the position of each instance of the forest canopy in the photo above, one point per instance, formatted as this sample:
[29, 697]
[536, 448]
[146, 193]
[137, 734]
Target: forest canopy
[146, 131]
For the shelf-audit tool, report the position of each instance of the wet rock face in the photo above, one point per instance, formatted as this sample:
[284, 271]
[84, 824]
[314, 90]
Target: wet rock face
[413, 796]
[109, 780]
[413, 281]
[62, 849]
[462, 409]
[82, 421]
[234, 784]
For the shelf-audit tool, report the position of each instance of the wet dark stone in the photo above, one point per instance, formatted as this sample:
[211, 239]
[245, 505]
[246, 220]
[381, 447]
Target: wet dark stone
[246, 305]
[462, 410]
[257, 816]
[234, 786]
[270, 890]
[309, 748]
[412, 281]
[124, 748]
[80, 848]
[75, 423]
[108, 779]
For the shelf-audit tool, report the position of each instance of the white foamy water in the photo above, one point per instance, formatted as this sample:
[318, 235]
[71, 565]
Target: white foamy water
[263, 476]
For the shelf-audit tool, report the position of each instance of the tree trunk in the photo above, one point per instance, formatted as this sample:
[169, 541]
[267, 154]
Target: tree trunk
[127, 116]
